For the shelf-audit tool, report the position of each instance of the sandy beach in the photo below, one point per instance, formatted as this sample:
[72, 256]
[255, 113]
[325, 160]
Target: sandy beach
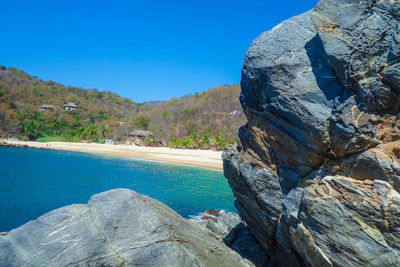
[193, 157]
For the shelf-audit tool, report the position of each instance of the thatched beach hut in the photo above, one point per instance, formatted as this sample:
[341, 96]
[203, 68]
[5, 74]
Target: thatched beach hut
[137, 137]
[46, 107]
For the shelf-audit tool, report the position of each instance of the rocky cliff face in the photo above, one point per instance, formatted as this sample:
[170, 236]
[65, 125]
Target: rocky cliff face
[316, 173]
[117, 228]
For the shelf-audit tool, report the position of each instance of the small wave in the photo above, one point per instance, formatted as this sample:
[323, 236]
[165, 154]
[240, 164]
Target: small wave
[199, 216]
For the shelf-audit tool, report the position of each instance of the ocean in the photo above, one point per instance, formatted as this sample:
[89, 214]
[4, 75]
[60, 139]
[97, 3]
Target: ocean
[35, 181]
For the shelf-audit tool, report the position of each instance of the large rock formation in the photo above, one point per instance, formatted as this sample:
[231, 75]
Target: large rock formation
[116, 228]
[316, 173]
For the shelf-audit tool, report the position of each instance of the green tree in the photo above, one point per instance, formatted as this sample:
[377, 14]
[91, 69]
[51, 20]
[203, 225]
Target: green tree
[104, 131]
[195, 138]
[217, 142]
[188, 142]
[205, 140]
[55, 125]
[175, 143]
[91, 118]
[191, 128]
[188, 113]
[142, 122]
[81, 132]
[30, 129]
[149, 141]
[103, 115]
[91, 131]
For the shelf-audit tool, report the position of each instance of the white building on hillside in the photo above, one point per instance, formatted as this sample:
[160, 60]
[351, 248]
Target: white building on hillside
[70, 106]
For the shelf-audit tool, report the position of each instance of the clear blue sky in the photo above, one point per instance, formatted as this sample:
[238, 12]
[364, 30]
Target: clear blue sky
[144, 50]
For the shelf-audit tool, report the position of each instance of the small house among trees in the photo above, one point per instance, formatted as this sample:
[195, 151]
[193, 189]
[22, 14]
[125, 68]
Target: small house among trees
[46, 107]
[70, 106]
[236, 113]
[16, 105]
[138, 137]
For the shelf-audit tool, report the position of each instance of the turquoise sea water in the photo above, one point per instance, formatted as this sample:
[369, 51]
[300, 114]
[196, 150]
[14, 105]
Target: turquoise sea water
[35, 181]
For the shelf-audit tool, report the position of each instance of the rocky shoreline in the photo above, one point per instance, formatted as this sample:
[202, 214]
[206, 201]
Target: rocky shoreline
[121, 227]
[7, 144]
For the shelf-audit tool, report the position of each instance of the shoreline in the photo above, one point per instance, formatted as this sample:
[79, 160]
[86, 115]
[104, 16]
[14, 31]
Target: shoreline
[208, 159]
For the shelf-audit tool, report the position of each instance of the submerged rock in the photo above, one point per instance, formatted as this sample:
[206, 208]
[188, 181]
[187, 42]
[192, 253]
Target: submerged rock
[316, 172]
[116, 228]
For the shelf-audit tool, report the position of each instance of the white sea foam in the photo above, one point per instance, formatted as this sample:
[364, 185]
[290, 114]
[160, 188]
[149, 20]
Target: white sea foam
[199, 216]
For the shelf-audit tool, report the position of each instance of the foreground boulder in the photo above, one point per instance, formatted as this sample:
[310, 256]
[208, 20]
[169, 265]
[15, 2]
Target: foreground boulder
[316, 173]
[116, 228]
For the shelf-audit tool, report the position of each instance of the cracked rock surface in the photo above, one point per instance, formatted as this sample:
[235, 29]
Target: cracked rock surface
[316, 173]
[116, 228]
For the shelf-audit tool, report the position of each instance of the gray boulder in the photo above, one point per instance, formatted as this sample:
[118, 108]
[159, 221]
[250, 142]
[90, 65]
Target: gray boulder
[321, 95]
[116, 228]
[109, 142]
[224, 223]
[230, 228]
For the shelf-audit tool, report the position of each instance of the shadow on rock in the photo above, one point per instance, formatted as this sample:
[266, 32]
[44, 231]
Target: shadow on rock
[243, 242]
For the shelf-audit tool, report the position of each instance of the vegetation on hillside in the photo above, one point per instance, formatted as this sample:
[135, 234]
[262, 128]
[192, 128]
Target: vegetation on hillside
[203, 120]
[214, 115]
[97, 112]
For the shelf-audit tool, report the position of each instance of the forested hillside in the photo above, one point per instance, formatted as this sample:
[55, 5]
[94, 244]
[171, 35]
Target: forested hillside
[215, 113]
[33, 109]
[96, 115]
